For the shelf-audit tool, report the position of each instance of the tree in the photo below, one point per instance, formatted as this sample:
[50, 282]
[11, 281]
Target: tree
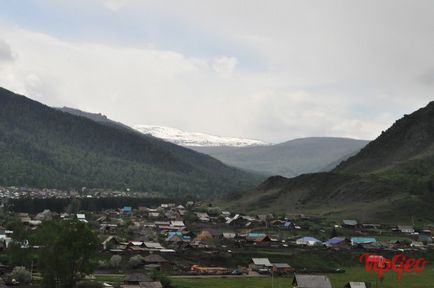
[135, 261]
[74, 206]
[115, 261]
[67, 248]
[19, 255]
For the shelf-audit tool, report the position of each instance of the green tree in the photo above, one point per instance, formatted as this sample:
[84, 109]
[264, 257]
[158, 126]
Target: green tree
[74, 206]
[135, 261]
[18, 254]
[67, 248]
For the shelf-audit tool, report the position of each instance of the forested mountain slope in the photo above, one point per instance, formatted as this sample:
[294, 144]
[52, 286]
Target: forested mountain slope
[43, 147]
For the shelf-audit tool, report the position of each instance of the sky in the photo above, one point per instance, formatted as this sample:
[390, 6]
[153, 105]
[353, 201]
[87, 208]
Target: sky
[269, 70]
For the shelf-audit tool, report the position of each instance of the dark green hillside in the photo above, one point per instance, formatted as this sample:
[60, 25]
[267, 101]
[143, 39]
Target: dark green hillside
[43, 147]
[391, 179]
[411, 137]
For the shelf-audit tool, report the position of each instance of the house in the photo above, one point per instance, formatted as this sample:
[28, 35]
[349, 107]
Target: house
[254, 236]
[405, 229]
[177, 237]
[157, 260]
[362, 240]
[226, 213]
[177, 224]
[153, 246]
[371, 226]
[282, 269]
[261, 264]
[81, 217]
[308, 241]
[110, 242]
[24, 217]
[416, 244]
[264, 240]
[202, 217]
[229, 235]
[350, 224]
[4, 239]
[335, 242]
[160, 224]
[44, 215]
[108, 228]
[173, 214]
[358, 285]
[127, 210]
[311, 281]
[153, 214]
[241, 221]
[2, 234]
[289, 225]
[258, 238]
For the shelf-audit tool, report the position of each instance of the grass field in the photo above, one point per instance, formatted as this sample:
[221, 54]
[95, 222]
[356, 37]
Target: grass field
[413, 280]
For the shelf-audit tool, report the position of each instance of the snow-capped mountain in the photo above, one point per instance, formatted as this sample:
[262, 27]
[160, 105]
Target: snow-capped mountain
[185, 138]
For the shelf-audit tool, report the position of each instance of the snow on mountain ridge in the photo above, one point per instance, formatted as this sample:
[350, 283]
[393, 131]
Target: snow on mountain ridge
[185, 138]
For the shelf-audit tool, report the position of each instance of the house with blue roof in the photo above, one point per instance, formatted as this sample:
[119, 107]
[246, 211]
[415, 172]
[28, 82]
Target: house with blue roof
[253, 236]
[127, 210]
[335, 241]
[176, 236]
[288, 225]
[362, 240]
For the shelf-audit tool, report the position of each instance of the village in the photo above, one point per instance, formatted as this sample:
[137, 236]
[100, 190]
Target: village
[13, 192]
[196, 240]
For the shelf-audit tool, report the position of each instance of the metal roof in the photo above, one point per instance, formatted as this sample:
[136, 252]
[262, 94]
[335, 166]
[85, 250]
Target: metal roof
[262, 261]
[312, 281]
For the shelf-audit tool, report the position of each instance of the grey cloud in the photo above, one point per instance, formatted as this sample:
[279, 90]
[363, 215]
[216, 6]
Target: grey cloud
[5, 51]
[428, 78]
[359, 65]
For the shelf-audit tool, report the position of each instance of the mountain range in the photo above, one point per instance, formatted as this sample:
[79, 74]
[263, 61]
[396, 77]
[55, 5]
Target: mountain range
[289, 159]
[391, 178]
[46, 147]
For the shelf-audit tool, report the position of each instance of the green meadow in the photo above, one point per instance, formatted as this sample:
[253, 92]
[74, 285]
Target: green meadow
[416, 280]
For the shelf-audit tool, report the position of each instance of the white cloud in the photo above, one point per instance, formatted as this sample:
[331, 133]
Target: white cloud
[224, 66]
[115, 5]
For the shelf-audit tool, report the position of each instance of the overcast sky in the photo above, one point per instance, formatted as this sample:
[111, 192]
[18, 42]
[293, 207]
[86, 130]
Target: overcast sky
[269, 70]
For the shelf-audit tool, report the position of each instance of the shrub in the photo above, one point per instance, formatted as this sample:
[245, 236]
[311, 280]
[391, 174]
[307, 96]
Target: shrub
[21, 275]
[165, 281]
[115, 261]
